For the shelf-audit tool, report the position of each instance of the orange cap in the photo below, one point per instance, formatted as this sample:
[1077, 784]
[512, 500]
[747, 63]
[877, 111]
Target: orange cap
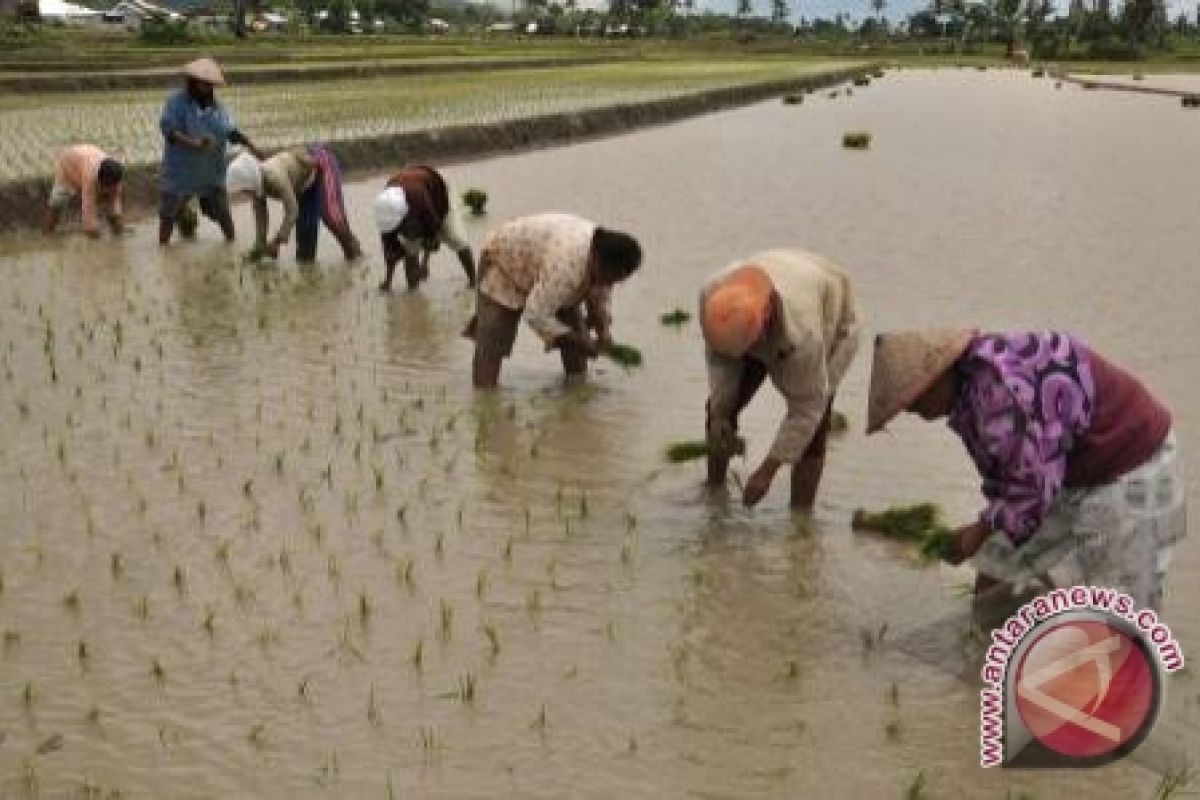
[736, 313]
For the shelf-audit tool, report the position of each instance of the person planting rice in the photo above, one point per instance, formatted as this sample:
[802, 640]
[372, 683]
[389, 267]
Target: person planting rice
[414, 216]
[1080, 467]
[196, 130]
[790, 315]
[308, 182]
[87, 172]
[545, 267]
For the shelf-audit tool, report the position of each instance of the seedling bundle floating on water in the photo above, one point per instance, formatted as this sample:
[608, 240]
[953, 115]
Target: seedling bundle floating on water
[676, 317]
[919, 523]
[1190, 101]
[856, 140]
[793, 99]
[624, 354]
[476, 200]
[862, 80]
[682, 452]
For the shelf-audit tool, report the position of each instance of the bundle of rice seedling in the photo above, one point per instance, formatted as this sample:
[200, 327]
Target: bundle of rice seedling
[838, 422]
[919, 523]
[676, 317]
[681, 452]
[877, 72]
[1039, 72]
[862, 80]
[856, 140]
[1190, 101]
[624, 354]
[188, 220]
[793, 99]
[476, 200]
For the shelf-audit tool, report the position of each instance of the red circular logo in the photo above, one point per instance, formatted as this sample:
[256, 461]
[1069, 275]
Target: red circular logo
[1085, 688]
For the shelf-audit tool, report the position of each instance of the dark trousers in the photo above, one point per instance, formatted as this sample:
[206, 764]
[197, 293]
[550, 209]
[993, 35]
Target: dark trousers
[323, 203]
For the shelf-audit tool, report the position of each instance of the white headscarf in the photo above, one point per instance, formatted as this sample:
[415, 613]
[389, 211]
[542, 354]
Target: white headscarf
[244, 175]
[391, 207]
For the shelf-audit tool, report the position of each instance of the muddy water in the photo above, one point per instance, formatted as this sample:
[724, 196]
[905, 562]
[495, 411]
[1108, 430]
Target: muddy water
[303, 560]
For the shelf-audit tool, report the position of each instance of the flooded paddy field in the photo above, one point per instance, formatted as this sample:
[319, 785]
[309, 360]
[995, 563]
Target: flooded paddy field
[260, 539]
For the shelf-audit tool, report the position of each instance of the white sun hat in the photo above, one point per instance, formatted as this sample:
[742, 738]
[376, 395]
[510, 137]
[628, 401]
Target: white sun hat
[391, 207]
[244, 175]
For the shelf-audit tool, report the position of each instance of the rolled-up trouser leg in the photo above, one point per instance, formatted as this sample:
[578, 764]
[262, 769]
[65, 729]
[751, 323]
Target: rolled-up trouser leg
[806, 473]
[754, 372]
[214, 204]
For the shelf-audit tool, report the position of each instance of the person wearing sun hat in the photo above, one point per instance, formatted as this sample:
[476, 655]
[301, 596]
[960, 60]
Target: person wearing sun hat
[789, 315]
[414, 216]
[1080, 469]
[196, 129]
[307, 181]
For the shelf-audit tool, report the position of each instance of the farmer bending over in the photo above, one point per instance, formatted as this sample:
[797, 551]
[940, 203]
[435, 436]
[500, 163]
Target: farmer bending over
[1080, 469]
[546, 267]
[86, 171]
[196, 129]
[789, 315]
[308, 182]
[414, 215]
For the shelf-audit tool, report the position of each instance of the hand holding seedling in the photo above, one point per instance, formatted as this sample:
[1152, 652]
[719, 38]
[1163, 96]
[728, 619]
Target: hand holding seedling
[966, 542]
[760, 482]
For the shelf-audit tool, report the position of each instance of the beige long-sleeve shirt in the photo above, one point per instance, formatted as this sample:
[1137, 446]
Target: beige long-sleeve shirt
[540, 264]
[77, 171]
[806, 349]
[285, 177]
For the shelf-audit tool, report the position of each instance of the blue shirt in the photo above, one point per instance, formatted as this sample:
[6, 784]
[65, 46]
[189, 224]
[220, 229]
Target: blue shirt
[187, 171]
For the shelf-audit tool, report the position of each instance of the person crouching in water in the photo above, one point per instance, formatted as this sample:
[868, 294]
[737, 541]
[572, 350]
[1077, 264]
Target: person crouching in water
[1080, 468]
[308, 183]
[547, 268]
[85, 171]
[789, 315]
[415, 216]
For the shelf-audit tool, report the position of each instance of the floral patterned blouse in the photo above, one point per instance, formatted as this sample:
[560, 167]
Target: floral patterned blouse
[539, 263]
[1025, 400]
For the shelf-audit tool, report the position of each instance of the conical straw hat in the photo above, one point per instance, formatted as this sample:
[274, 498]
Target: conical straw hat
[205, 69]
[906, 364]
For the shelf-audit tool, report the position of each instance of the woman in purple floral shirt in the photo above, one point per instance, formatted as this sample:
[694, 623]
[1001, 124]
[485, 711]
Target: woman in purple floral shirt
[1077, 459]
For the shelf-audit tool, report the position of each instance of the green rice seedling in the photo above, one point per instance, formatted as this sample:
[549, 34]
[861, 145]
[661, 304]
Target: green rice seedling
[141, 608]
[675, 317]
[681, 452]
[72, 601]
[418, 655]
[838, 422]
[506, 550]
[794, 99]
[892, 728]
[439, 544]
[379, 475]
[447, 618]
[539, 722]
[1190, 101]
[625, 355]
[919, 523]
[30, 779]
[856, 140]
[82, 652]
[533, 602]
[12, 639]
[158, 672]
[476, 200]
[481, 583]
[303, 690]
[373, 713]
[861, 80]
[466, 687]
[1175, 783]
[792, 670]
[493, 638]
[29, 694]
[917, 787]
[894, 695]
[93, 715]
[257, 736]
[364, 608]
[209, 622]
